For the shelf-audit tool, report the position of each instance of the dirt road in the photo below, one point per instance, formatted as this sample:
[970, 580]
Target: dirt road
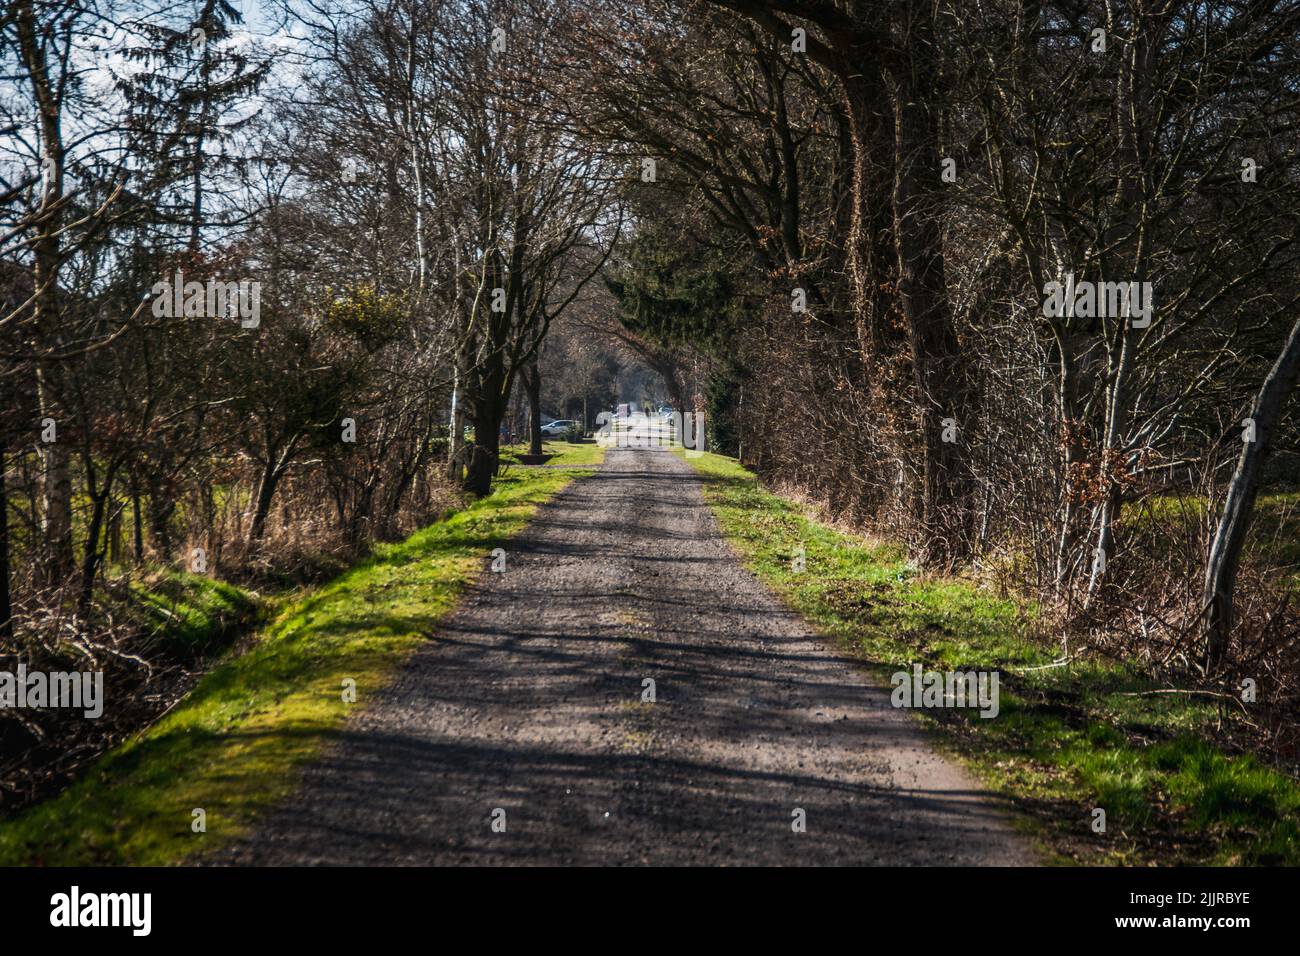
[529, 701]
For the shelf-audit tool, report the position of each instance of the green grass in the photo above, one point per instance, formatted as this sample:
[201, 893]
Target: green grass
[1067, 738]
[574, 455]
[192, 612]
[233, 746]
[567, 454]
[1272, 546]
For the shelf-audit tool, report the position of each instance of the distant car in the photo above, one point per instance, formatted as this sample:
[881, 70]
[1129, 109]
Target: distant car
[557, 428]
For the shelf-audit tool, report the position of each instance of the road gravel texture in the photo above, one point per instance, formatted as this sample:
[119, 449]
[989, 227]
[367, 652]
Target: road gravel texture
[529, 700]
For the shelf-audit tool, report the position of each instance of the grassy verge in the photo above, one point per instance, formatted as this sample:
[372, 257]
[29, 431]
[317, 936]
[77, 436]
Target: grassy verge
[231, 748]
[567, 454]
[192, 613]
[1068, 739]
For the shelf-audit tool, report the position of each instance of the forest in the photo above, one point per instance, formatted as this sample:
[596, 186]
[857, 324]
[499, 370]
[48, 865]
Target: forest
[1011, 284]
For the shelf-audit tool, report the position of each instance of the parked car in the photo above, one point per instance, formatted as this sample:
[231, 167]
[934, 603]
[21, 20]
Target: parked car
[557, 429]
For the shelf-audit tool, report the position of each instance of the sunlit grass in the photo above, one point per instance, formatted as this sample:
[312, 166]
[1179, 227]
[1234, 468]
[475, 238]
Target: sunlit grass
[233, 746]
[192, 611]
[565, 454]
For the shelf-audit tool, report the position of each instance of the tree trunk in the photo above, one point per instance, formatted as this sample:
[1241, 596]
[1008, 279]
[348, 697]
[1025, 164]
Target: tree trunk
[115, 537]
[161, 509]
[484, 454]
[137, 524]
[1239, 506]
[533, 388]
[456, 440]
[938, 371]
[1131, 107]
[56, 501]
[869, 226]
[56, 481]
[6, 603]
[1117, 407]
[271, 472]
[1072, 453]
[487, 384]
[488, 398]
[90, 550]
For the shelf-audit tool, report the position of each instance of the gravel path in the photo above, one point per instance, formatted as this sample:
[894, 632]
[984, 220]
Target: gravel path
[529, 700]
